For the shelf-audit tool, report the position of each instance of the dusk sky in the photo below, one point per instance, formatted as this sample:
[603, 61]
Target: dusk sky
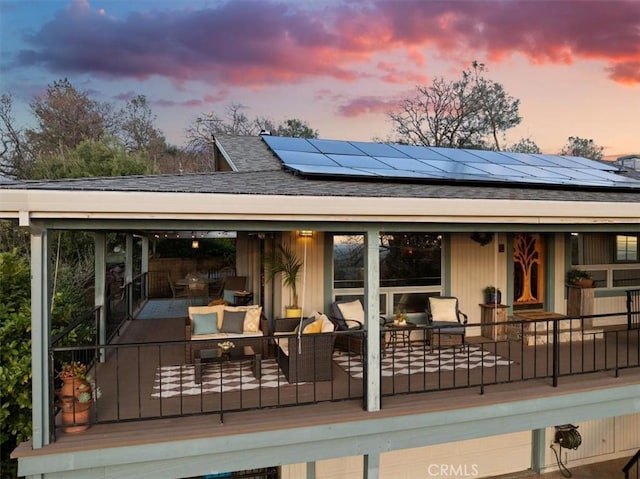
[339, 65]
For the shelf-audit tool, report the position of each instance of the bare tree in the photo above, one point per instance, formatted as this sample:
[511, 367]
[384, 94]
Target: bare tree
[136, 126]
[66, 117]
[14, 152]
[472, 112]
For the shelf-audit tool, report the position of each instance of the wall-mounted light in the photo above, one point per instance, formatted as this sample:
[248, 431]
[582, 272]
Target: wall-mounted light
[195, 244]
[305, 233]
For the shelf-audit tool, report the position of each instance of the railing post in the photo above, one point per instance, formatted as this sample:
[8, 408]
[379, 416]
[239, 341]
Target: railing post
[556, 352]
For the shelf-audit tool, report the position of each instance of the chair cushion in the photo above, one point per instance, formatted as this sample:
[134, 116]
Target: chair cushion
[233, 322]
[443, 309]
[352, 310]
[205, 323]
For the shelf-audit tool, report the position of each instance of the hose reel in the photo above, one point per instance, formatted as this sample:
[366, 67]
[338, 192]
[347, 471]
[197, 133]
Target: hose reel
[566, 436]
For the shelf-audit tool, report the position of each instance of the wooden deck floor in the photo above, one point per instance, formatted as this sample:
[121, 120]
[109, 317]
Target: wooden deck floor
[132, 369]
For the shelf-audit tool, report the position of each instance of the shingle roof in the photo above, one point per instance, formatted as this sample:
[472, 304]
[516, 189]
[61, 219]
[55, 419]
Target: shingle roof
[251, 156]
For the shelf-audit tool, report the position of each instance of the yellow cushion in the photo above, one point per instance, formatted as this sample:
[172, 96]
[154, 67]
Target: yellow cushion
[443, 309]
[315, 327]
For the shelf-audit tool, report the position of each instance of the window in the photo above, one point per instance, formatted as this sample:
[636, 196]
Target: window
[626, 248]
[406, 259]
[410, 269]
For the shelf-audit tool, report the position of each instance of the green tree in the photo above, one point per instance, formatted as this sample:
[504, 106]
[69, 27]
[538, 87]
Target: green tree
[15, 355]
[473, 112]
[91, 158]
[524, 145]
[583, 147]
[297, 129]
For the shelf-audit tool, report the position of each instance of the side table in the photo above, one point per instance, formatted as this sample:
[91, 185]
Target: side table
[493, 321]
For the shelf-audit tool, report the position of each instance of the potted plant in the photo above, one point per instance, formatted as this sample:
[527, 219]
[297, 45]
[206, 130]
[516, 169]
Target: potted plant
[580, 278]
[285, 261]
[492, 295]
[74, 379]
[76, 412]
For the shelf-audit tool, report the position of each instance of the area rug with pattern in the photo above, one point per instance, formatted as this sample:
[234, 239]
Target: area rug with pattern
[403, 361]
[172, 381]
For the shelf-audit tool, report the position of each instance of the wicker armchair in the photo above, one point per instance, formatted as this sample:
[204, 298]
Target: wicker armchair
[304, 358]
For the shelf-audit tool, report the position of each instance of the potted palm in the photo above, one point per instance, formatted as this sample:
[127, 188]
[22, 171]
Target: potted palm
[284, 260]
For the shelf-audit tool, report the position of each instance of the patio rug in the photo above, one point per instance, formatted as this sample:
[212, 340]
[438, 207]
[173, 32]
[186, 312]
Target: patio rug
[420, 361]
[172, 381]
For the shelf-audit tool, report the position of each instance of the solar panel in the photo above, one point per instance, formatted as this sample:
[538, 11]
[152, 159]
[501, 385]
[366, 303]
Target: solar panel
[344, 159]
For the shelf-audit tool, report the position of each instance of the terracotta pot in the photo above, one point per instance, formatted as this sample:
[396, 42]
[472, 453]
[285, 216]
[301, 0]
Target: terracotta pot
[72, 386]
[75, 413]
[584, 283]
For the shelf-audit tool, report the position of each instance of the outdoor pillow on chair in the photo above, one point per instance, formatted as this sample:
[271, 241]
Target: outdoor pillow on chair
[353, 311]
[443, 309]
[233, 322]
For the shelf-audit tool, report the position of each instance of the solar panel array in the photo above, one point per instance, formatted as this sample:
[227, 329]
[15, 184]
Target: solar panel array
[354, 159]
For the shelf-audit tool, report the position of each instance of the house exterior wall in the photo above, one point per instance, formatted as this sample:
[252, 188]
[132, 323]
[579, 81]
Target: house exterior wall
[602, 440]
[472, 268]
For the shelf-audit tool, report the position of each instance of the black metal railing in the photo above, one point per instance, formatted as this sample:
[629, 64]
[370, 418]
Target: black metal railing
[631, 468]
[524, 350]
[140, 381]
[633, 308]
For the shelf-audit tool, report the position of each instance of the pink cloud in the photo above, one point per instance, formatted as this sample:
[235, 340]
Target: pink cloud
[366, 105]
[251, 43]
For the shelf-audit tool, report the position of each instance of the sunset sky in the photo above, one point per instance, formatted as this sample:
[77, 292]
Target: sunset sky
[339, 65]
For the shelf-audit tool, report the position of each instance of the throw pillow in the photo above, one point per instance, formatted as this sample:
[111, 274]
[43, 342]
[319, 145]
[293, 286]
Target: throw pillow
[305, 322]
[352, 310]
[252, 319]
[313, 328]
[327, 325]
[443, 309]
[233, 322]
[208, 309]
[205, 323]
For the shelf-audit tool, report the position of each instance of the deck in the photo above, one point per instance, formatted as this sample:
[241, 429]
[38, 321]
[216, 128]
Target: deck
[127, 378]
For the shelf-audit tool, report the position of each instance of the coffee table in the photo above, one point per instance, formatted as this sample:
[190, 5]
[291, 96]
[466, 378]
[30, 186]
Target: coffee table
[217, 355]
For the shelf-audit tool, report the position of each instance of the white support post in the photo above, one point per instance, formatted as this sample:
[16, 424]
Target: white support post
[311, 470]
[371, 469]
[538, 449]
[40, 337]
[372, 315]
[100, 292]
[144, 266]
[128, 273]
